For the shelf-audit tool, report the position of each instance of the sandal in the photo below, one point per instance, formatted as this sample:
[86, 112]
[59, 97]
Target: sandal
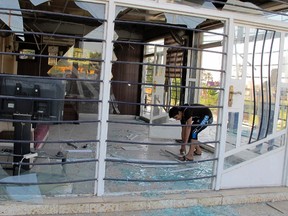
[184, 158]
[179, 141]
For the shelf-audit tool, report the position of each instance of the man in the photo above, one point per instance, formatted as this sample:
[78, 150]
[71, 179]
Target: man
[194, 118]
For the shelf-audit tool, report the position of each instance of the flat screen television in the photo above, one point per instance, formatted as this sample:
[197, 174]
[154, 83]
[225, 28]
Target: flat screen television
[40, 97]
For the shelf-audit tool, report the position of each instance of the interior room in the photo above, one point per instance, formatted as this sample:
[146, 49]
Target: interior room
[85, 96]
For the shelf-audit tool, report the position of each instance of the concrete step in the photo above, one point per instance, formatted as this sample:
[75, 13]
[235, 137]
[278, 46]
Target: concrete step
[143, 201]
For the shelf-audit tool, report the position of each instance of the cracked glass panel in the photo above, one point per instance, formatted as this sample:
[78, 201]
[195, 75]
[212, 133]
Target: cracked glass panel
[165, 59]
[51, 73]
[259, 53]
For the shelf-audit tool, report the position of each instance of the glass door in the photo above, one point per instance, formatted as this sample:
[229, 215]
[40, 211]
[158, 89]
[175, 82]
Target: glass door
[153, 90]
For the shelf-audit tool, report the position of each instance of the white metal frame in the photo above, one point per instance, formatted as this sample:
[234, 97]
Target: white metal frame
[105, 93]
[275, 133]
[231, 18]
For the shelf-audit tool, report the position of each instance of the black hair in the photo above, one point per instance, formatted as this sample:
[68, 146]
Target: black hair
[173, 111]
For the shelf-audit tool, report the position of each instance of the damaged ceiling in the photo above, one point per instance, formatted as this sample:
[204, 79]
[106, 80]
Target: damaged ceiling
[45, 22]
[145, 32]
[269, 5]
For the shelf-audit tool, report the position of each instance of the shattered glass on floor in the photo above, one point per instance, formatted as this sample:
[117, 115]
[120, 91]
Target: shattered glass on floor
[171, 174]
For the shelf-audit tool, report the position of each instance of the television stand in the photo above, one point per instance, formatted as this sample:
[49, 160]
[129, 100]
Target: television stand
[22, 131]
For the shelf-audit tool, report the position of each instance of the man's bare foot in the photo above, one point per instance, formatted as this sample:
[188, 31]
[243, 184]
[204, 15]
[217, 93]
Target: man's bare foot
[182, 151]
[198, 150]
[197, 153]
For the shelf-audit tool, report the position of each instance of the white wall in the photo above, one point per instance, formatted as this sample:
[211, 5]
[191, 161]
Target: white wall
[166, 132]
[265, 170]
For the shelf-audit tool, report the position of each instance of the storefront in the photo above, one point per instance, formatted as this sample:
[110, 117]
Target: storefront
[86, 87]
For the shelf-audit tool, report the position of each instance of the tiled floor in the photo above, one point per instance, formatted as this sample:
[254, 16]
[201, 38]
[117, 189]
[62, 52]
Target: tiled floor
[137, 169]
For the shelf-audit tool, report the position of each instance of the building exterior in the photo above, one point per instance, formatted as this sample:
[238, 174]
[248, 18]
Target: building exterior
[86, 87]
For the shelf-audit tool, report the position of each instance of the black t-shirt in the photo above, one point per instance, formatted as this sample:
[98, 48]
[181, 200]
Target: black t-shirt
[197, 111]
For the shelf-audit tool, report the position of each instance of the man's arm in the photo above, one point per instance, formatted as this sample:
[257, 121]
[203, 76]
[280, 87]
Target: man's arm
[183, 133]
[186, 130]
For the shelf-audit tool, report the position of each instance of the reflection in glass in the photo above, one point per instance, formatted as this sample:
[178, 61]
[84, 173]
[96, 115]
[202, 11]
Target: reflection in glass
[232, 128]
[283, 110]
[284, 74]
[238, 53]
[261, 83]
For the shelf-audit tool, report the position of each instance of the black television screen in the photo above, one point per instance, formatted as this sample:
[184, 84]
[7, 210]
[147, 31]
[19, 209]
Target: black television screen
[40, 97]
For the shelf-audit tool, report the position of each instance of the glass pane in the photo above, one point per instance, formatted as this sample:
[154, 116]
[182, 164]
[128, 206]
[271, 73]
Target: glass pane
[232, 128]
[238, 53]
[260, 97]
[284, 74]
[214, 36]
[50, 87]
[261, 83]
[156, 56]
[282, 116]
